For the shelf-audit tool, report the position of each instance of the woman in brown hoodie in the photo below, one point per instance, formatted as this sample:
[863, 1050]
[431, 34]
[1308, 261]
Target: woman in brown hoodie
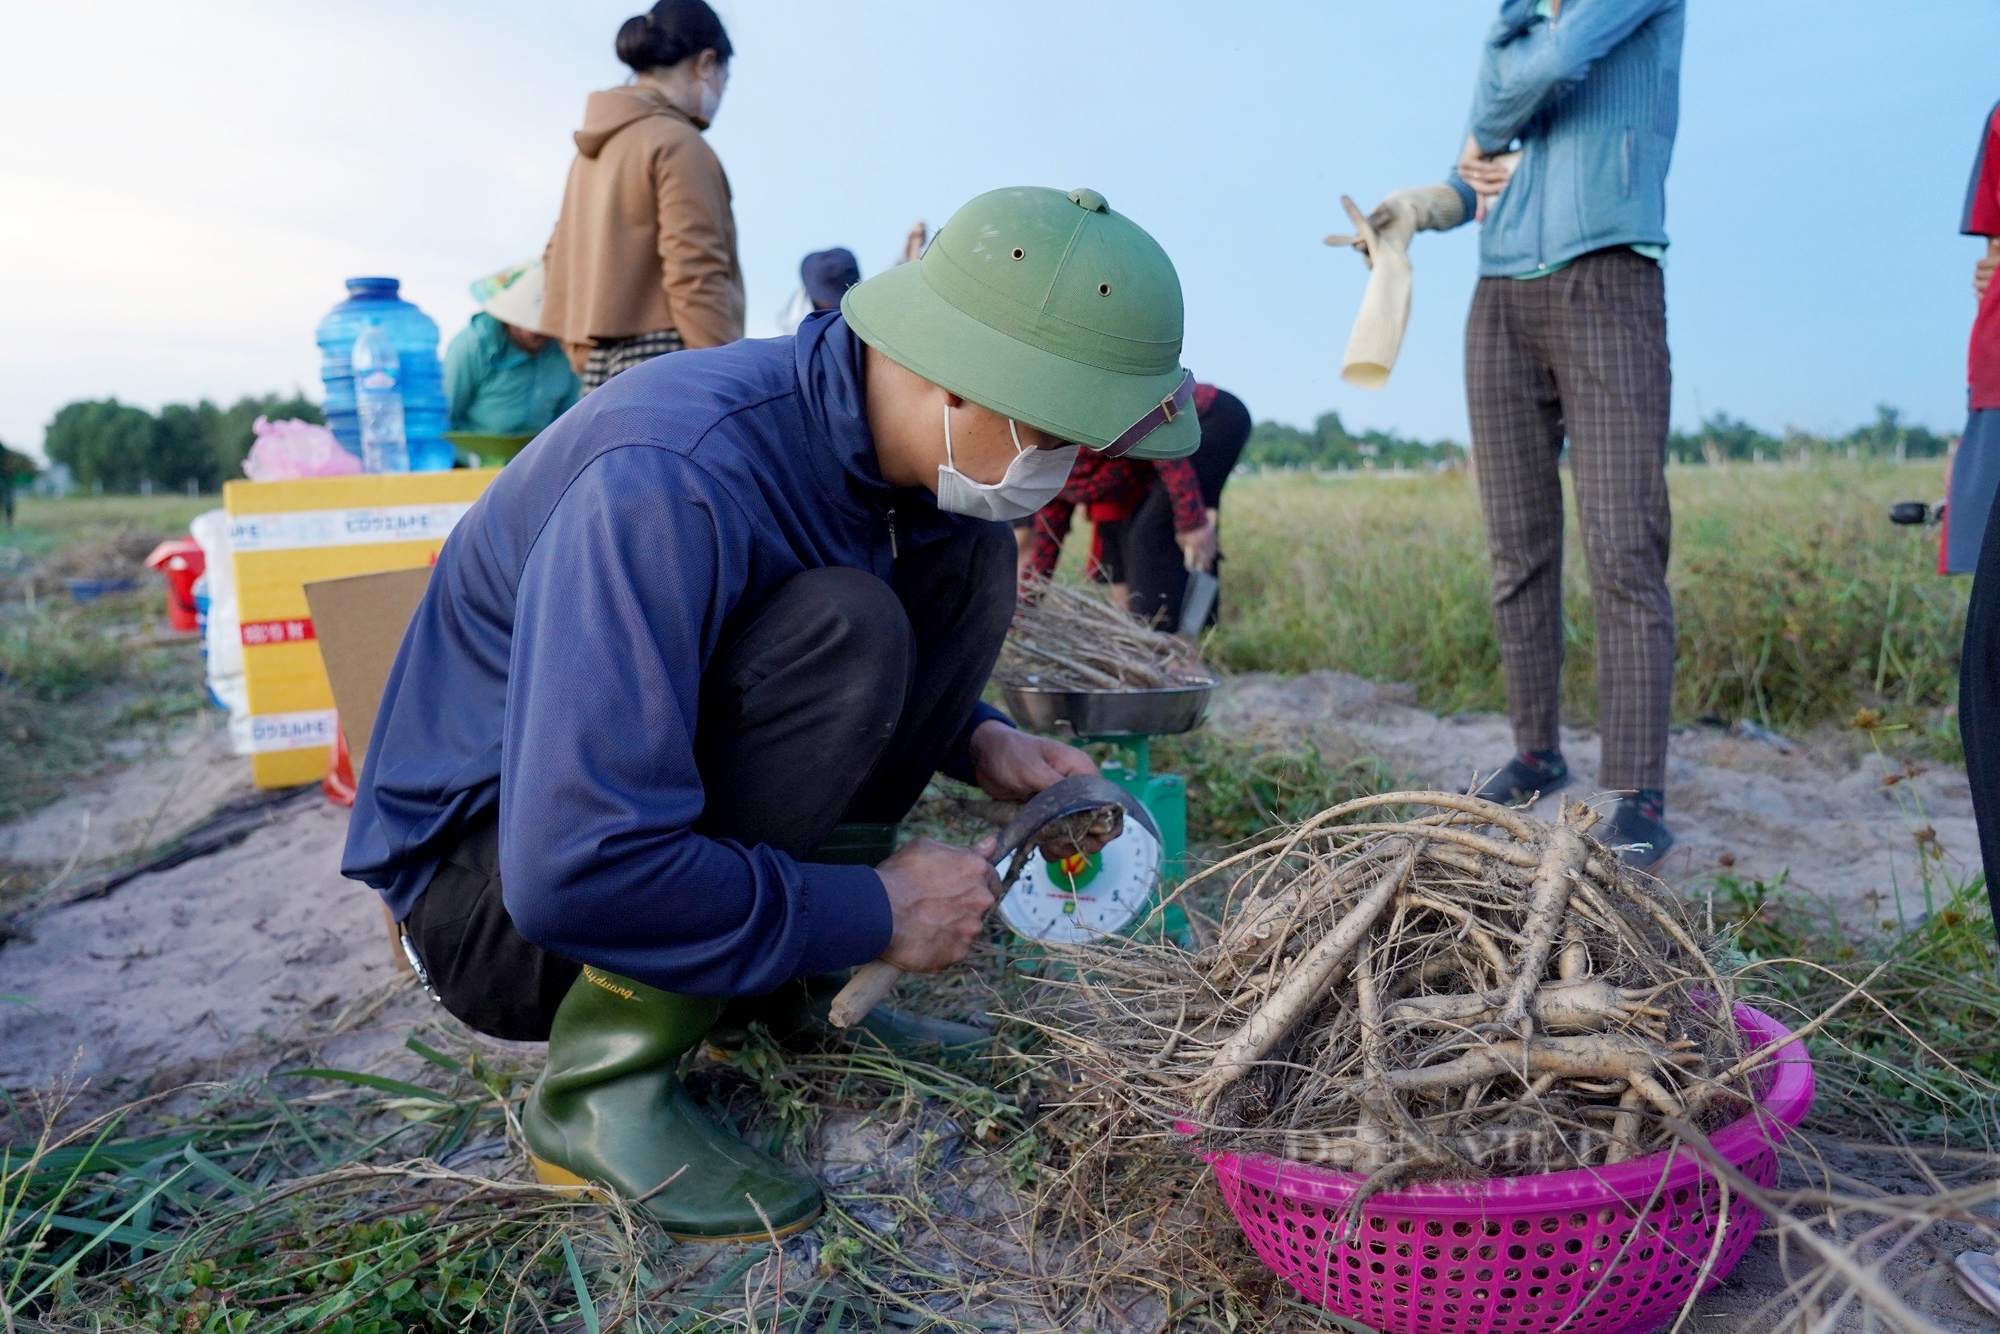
[643, 259]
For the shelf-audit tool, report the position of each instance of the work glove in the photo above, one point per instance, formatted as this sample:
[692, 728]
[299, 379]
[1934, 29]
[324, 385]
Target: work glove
[1401, 215]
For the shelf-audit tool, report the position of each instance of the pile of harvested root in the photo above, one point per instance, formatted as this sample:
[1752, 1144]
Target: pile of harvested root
[1074, 637]
[1463, 991]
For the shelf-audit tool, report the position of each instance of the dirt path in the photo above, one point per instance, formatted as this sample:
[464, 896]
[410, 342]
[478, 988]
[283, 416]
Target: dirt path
[1839, 833]
[138, 807]
[227, 955]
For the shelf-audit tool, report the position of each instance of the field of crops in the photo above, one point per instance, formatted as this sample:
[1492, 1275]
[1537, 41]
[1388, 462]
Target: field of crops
[1798, 602]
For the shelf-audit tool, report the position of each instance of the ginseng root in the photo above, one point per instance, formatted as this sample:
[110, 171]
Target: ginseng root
[1588, 1005]
[1302, 986]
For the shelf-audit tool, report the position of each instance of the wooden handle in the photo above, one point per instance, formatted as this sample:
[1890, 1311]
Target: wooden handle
[863, 992]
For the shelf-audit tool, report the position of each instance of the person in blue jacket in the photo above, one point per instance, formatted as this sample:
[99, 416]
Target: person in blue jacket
[1573, 118]
[688, 660]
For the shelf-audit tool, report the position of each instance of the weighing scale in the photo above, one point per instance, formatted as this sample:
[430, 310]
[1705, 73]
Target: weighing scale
[1116, 891]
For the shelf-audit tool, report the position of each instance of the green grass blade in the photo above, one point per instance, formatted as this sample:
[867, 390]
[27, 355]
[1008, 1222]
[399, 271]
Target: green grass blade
[69, 1266]
[584, 1305]
[379, 1082]
[436, 1057]
[121, 1236]
[201, 1163]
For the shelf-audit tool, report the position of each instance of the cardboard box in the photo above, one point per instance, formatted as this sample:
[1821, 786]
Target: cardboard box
[359, 623]
[284, 535]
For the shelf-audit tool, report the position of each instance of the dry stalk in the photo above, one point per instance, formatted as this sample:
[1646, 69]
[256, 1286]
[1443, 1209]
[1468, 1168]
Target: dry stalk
[1073, 637]
[1463, 990]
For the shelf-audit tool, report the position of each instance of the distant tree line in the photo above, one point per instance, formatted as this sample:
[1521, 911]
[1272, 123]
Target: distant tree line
[113, 446]
[1330, 445]
[1720, 438]
[1723, 438]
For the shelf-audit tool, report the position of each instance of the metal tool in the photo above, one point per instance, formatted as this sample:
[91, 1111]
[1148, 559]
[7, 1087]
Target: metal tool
[1197, 601]
[1085, 895]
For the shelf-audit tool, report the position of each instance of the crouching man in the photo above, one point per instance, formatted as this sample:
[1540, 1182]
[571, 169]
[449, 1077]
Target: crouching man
[683, 667]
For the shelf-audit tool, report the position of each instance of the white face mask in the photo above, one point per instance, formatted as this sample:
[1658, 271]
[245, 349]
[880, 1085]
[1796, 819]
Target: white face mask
[711, 95]
[1031, 481]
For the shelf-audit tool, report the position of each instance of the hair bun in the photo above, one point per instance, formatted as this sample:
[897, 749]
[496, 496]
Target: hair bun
[635, 42]
[669, 33]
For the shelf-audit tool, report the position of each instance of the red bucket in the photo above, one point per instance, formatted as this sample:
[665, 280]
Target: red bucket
[181, 562]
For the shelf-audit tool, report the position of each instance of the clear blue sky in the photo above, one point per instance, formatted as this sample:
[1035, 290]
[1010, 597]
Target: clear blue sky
[184, 186]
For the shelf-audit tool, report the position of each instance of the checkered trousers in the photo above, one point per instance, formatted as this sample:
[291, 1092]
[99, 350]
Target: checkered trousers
[612, 355]
[1582, 354]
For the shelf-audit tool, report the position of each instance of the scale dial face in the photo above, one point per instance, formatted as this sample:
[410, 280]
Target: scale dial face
[1043, 906]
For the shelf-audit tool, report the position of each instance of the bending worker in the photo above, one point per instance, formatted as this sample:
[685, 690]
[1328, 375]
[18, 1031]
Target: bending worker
[502, 375]
[707, 638]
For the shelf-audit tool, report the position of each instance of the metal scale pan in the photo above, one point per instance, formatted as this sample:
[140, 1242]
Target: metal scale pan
[1167, 711]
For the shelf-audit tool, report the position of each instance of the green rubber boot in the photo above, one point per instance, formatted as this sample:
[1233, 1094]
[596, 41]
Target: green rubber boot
[610, 1109]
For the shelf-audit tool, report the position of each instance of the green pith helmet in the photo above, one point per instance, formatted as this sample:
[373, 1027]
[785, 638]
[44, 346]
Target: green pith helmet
[1047, 308]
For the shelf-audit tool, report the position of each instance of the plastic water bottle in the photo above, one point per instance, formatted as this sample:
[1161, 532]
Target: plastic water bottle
[378, 402]
[415, 338]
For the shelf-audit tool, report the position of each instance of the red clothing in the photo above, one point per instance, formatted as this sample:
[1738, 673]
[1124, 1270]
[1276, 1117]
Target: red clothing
[1982, 218]
[1112, 489]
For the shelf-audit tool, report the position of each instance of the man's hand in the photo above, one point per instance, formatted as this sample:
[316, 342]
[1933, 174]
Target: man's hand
[1487, 174]
[1012, 765]
[913, 244]
[1198, 546]
[1982, 272]
[939, 896]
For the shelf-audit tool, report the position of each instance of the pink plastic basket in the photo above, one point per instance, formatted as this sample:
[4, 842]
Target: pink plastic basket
[1594, 1251]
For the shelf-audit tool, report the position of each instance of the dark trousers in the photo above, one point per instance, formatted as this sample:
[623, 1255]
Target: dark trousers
[833, 700]
[1582, 354]
[1140, 552]
[1979, 705]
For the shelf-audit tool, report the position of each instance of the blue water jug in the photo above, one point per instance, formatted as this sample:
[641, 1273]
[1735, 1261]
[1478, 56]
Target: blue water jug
[415, 337]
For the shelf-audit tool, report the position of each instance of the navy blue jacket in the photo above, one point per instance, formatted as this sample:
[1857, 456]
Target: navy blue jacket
[554, 666]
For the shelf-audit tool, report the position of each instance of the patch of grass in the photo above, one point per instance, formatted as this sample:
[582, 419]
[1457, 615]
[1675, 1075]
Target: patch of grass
[42, 526]
[61, 652]
[75, 678]
[1797, 601]
[331, 1200]
[278, 1205]
[1917, 1054]
[1238, 789]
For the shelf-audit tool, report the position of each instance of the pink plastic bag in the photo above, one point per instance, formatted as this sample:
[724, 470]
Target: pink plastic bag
[288, 450]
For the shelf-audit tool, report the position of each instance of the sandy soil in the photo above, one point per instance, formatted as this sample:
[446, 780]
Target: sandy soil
[255, 955]
[234, 953]
[133, 809]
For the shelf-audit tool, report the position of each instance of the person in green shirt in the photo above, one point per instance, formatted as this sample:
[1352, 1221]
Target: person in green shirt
[501, 375]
